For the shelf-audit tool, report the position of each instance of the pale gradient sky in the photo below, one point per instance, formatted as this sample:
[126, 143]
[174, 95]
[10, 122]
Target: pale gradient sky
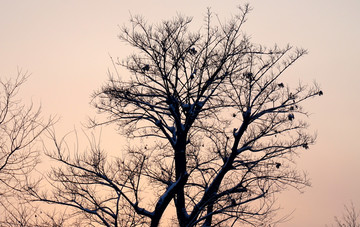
[66, 45]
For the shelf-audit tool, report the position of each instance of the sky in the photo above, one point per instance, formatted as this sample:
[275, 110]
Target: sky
[65, 46]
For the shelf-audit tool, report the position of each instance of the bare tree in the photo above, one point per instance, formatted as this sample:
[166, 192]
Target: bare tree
[350, 218]
[20, 126]
[214, 129]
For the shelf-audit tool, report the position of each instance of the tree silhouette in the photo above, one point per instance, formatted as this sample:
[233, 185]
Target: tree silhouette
[214, 130]
[20, 126]
[350, 218]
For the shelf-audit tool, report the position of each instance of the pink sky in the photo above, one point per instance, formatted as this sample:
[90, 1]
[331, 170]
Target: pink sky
[66, 47]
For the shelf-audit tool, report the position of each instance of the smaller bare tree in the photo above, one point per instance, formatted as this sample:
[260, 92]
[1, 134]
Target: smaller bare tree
[350, 218]
[20, 126]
